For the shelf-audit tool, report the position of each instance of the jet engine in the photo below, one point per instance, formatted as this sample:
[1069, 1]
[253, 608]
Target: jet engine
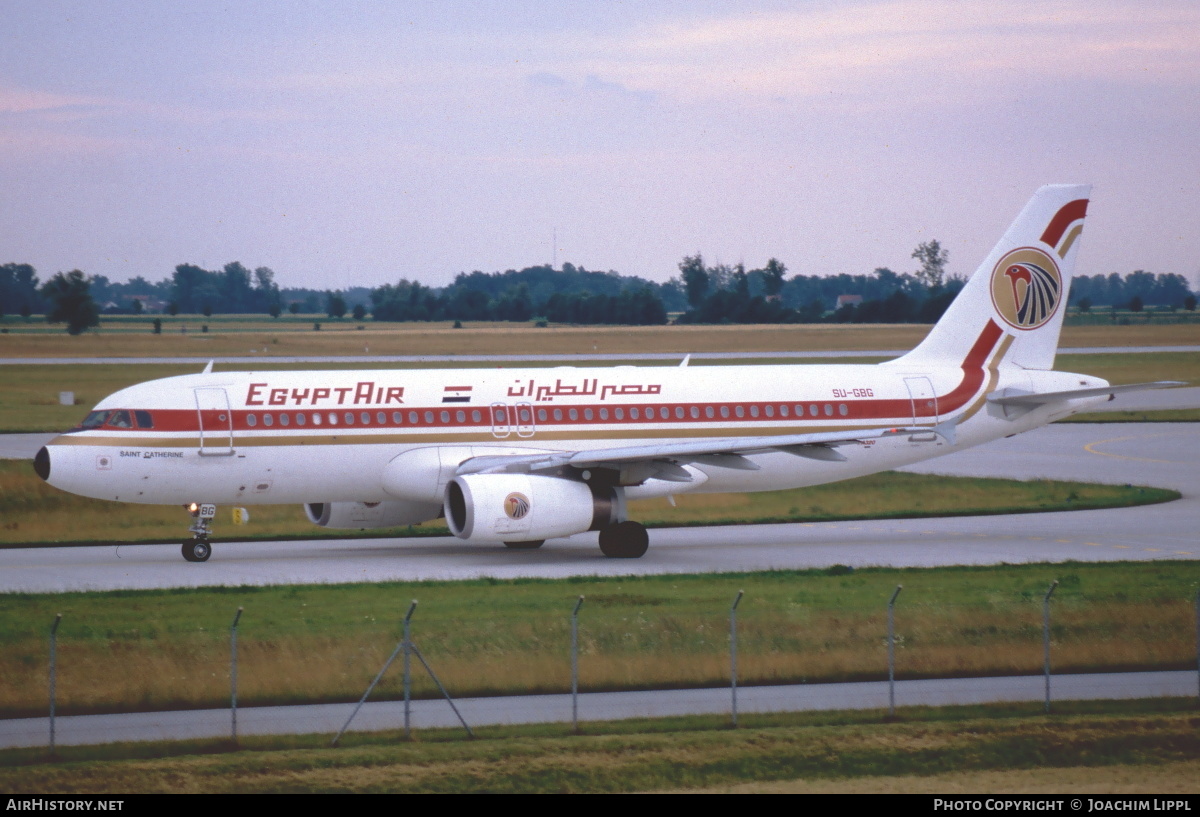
[524, 508]
[362, 515]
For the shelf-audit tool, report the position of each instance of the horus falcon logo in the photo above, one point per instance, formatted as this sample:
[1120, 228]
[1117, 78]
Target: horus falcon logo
[1026, 288]
[516, 505]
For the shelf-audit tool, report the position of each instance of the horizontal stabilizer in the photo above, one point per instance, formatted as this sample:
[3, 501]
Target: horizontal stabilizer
[1010, 397]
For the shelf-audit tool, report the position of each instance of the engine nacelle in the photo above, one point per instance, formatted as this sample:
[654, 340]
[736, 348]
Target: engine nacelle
[362, 515]
[520, 507]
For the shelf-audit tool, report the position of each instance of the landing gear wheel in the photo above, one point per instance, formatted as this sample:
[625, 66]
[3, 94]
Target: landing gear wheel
[197, 550]
[624, 540]
[531, 545]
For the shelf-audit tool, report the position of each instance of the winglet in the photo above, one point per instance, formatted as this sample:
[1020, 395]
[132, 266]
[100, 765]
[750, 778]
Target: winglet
[684, 364]
[208, 368]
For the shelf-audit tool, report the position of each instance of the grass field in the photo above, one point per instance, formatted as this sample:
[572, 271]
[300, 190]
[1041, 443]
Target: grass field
[240, 336]
[324, 643]
[33, 512]
[1128, 747]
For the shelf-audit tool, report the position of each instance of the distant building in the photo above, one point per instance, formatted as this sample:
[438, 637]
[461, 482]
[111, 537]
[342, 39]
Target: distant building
[853, 300]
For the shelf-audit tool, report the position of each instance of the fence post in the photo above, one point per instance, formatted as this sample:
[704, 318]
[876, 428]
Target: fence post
[1046, 638]
[1198, 642]
[403, 645]
[575, 666]
[407, 643]
[53, 673]
[233, 676]
[733, 656]
[891, 635]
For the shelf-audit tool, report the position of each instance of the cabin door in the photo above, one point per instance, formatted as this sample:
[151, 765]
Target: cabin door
[216, 422]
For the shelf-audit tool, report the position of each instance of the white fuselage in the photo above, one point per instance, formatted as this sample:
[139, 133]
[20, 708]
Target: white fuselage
[248, 438]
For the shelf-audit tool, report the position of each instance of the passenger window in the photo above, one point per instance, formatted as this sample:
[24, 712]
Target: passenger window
[301, 419]
[634, 414]
[268, 420]
[380, 417]
[251, 420]
[708, 412]
[284, 419]
[573, 414]
[349, 418]
[740, 411]
[476, 416]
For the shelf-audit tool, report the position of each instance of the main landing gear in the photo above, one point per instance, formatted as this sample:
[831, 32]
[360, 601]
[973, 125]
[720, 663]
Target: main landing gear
[198, 548]
[624, 540]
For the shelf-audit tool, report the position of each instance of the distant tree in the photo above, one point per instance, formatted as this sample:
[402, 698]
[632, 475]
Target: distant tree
[933, 263]
[138, 307]
[71, 301]
[208, 309]
[158, 326]
[1189, 303]
[695, 279]
[1136, 304]
[294, 307]
[772, 276]
[173, 308]
[359, 312]
[275, 309]
[1085, 305]
[335, 305]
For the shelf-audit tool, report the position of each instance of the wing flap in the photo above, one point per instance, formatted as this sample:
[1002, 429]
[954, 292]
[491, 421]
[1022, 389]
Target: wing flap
[729, 452]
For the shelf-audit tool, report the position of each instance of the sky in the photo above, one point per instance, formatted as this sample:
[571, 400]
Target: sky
[344, 143]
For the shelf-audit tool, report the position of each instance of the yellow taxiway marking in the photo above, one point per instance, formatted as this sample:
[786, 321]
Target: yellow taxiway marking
[1094, 544]
[1121, 547]
[1088, 448]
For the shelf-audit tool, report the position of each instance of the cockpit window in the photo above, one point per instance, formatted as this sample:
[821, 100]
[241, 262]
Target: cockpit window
[120, 419]
[95, 419]
[144, 420]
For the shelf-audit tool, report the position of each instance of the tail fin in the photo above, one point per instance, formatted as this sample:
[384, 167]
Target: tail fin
[1020, 289]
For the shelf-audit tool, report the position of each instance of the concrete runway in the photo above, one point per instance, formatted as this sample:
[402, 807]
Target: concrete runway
[1152, 454]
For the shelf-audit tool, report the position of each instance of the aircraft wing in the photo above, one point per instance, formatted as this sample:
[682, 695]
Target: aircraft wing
[1010, 397]
[665, 459]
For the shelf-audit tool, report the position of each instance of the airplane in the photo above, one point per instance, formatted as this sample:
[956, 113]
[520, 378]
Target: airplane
[518, 456]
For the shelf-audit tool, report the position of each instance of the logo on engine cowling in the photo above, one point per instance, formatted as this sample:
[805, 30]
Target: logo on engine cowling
[1026, 288]
[516, 505]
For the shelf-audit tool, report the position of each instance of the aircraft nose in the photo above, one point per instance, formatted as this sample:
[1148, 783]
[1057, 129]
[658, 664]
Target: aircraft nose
[41, 463]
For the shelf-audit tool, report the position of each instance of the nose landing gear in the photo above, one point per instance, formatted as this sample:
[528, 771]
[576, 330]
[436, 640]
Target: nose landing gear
[198, 548]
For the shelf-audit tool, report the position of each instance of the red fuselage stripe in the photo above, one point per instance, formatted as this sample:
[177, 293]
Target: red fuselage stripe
[857, 410]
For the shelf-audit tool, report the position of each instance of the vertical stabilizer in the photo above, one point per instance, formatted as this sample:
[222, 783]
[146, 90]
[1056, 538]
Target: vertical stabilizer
[1020, 288]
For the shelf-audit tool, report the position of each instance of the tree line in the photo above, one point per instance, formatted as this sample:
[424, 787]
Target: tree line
[700, 293]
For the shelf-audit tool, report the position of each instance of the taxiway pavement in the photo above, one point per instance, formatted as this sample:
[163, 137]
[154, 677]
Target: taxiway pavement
[1144, 454]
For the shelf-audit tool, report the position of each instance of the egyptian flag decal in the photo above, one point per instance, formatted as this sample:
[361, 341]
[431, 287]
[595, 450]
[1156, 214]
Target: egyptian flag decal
[456, 394]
